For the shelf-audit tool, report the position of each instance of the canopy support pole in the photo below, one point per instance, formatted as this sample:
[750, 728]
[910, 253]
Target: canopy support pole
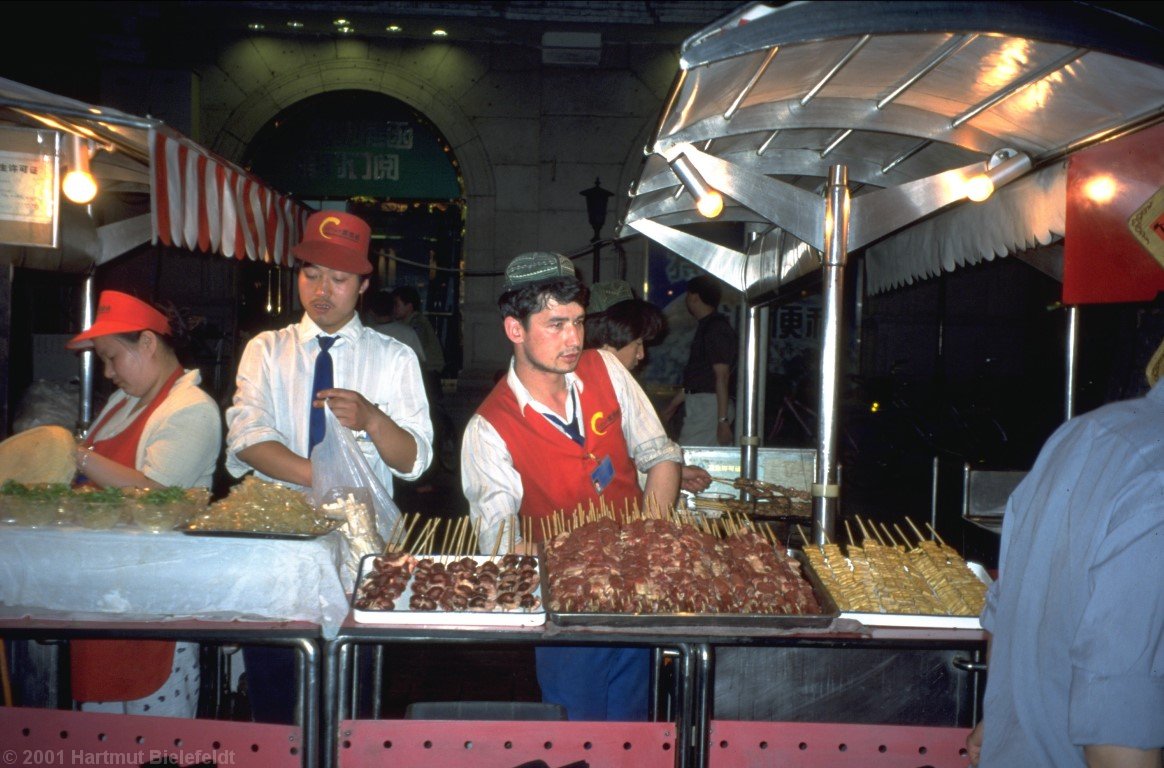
[825, 489]
[1072, 361]
[85, 415]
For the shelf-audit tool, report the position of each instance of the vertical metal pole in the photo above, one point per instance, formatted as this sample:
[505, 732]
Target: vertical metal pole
[597, 263]
[1072, 361]
[749, 425]
[88, 306]
[825, 490]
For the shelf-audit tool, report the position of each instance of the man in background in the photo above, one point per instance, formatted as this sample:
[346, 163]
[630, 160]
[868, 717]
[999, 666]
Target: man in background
[406, 309]
[381, 313]
[706, 394]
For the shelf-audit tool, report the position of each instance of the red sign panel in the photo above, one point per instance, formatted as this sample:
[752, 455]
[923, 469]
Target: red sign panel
[1114, 244]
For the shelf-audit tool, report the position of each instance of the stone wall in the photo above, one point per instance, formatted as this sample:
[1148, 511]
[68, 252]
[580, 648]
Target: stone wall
[529, 137]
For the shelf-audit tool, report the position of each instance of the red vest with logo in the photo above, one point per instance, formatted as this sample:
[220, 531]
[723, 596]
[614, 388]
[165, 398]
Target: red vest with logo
[556, 471]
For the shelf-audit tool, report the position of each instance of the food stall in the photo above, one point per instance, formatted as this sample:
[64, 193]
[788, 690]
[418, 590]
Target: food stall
[72, 573]
[887, 143]
[850, 150]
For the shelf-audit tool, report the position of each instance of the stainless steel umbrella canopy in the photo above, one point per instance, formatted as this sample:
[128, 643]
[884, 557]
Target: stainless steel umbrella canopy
[838, 129]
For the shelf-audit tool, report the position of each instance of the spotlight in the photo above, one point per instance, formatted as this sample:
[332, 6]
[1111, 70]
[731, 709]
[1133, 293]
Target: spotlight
[79, 184]
[708, 201]
[1004, 166]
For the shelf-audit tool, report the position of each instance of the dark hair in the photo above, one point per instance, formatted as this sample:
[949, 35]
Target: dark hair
[624, 322]
[178, 340]
[529, 299]
[707, 288]
[408, 295]
[380, 303]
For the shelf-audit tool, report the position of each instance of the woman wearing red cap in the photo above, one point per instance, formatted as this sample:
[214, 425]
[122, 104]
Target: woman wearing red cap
[158, 429]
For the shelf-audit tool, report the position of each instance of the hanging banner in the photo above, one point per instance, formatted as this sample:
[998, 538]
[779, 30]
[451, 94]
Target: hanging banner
[29, 202]
[1113, 250]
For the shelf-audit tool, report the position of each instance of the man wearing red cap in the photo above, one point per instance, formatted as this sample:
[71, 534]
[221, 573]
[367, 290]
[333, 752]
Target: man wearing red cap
[376, 390]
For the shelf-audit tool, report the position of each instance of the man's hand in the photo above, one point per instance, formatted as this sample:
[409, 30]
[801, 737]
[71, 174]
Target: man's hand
[351, 408]
[723, 433]
[974, 744]
[694, 479]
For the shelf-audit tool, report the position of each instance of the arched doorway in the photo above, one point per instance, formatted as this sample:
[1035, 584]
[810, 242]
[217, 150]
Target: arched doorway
[377, 157]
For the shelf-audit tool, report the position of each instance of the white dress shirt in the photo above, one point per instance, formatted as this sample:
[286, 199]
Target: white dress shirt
[492, 485]
[273, 394]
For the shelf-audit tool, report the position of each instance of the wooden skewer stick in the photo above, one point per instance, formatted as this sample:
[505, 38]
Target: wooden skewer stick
[936, 534]
[889, 535]
[864, 532]
[920, 536]
[849, 533]
[901, 534]
[448, 526]
[392, 534]
[408, 533]
[804, 538]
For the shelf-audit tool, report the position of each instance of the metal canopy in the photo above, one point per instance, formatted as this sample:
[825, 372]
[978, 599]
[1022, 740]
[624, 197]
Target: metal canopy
[157, 185]
[833, 128]
[912, 98]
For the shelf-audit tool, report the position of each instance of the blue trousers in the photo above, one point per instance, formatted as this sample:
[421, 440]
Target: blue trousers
[596, 682]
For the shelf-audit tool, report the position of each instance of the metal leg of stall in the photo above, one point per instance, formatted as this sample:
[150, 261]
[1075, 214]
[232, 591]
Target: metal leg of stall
[701, 659]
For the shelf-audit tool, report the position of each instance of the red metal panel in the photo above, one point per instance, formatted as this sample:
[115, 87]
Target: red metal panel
[835, 745]
[53, 737]
[1109, 191]
[497, 744]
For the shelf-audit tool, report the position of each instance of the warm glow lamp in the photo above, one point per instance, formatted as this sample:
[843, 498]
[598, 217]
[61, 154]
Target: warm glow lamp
[1004, 166]
[79, 184]
[708, 201]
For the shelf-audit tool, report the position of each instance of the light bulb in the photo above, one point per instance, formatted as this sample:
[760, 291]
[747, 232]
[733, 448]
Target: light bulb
[80, 187]
[979, 187]
[710, 205]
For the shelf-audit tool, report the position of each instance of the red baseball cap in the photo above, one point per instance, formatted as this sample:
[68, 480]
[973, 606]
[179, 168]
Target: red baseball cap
[336, 240]
[119, 312]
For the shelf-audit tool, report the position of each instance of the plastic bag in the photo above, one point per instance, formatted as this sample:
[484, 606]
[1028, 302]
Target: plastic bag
[343, 485]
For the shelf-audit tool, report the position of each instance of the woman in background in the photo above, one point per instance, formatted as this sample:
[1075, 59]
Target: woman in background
[158, 429]
[618, 322]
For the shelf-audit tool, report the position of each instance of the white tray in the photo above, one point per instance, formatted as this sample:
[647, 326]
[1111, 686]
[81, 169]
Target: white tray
[404, 615]
[923, 621]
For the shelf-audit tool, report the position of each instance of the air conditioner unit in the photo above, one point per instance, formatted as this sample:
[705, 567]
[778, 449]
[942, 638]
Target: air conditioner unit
[576, 49]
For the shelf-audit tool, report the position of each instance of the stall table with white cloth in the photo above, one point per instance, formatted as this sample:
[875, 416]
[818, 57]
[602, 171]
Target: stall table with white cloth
[122, 583]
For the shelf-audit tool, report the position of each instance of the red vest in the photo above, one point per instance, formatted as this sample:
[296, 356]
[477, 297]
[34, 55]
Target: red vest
[122, 670]
[556, 471]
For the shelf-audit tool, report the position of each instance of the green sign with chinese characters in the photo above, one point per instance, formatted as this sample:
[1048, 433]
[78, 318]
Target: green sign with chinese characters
[353, 143]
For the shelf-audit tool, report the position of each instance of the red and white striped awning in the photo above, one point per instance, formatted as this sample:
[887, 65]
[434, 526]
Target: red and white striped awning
[198, 200]
[202, 202]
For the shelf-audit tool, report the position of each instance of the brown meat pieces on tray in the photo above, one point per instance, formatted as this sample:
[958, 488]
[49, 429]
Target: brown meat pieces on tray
[448, 584]
[658, 566]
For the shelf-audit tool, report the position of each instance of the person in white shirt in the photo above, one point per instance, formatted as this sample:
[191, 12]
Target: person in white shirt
[377, 392]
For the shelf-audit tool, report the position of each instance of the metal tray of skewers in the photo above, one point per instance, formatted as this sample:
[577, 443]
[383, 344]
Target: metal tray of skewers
[449, 590]
[678, 574]
[886, 583]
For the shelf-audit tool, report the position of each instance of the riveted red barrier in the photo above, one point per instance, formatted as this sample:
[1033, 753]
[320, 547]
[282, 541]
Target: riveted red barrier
[739, 744]
[53, 737]
[504, 744]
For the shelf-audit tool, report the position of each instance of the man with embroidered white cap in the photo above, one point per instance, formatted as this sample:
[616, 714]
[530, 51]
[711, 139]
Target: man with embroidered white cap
[566, 426]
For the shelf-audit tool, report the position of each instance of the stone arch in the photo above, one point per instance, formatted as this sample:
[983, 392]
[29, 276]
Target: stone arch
[314, 73]
[264, 102]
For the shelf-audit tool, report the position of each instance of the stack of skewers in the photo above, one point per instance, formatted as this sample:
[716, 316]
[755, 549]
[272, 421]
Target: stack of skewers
[887, 574]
